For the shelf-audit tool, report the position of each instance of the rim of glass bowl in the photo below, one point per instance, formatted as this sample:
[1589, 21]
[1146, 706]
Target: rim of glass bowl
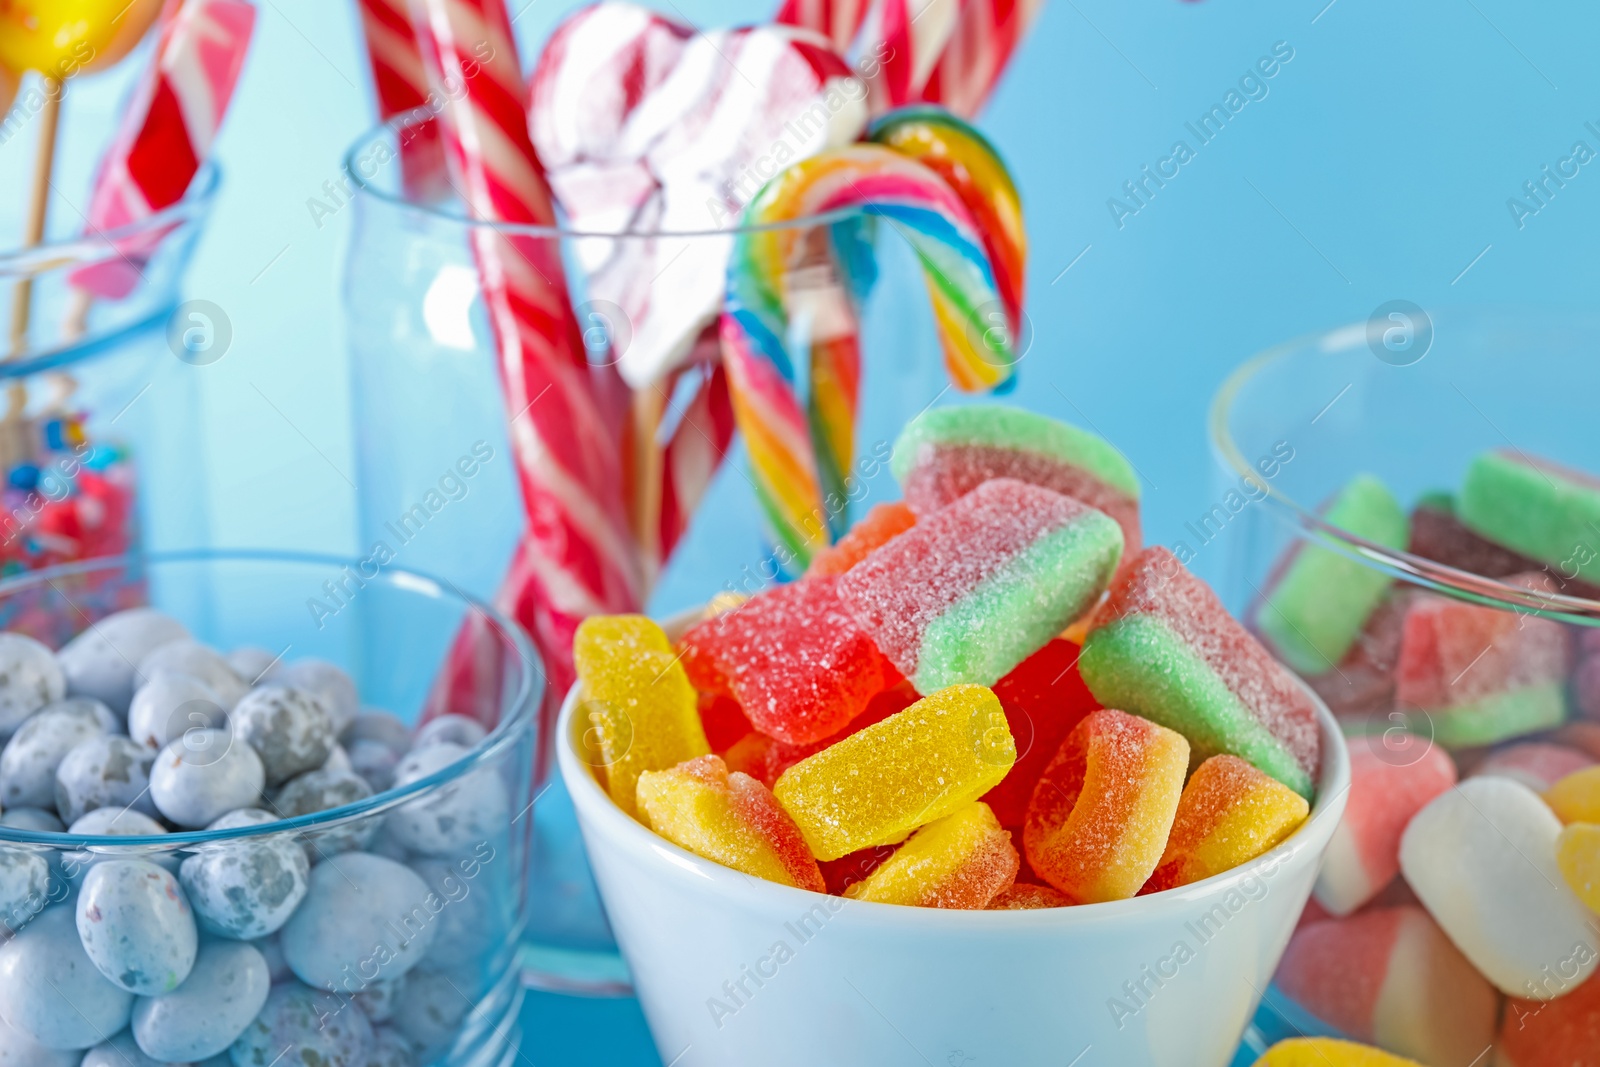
[497, 741]
[86, 249]
[1401, 564]
[447, 213]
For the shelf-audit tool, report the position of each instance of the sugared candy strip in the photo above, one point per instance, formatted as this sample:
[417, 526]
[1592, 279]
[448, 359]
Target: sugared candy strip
[874, 529]
[1101, 813]
[1229, 814]
[1315, 609]
[727, 817]
[1535, 507]
[879, 784]
[1044, 699]
[975, 588]
[1162, 646]
[963, 860]
[766, 758]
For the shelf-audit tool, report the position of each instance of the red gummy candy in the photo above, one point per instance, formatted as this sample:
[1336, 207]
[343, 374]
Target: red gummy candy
[1043, 697]
[877, 527]
[723, 721]
[765, 758]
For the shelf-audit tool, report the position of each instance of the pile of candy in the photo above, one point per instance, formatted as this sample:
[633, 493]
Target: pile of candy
[908, 724]
[1459, 905]
[363, 941]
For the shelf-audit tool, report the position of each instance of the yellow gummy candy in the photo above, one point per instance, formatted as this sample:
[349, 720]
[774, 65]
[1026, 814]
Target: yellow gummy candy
[1578, 856]
[1329, 1052]
[1576, 798]
[918, 765]
[637, 711]
[963, 860]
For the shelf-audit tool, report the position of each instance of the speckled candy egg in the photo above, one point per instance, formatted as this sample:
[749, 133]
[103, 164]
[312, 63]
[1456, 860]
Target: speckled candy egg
[24, 885]
[17, 1049]
[38, 819]
[251, 663]
[289, 729]
[472, 921]
[104, 772]
[329, 684]
[100, 661]
[454, 816]
[247, 888]
[338, 760]
[323, 1030]
[30, 678]
[136, 926]
[375, 724]
[321, 790]
[29, 761]
[120, 1051]
[204, 775]
[187, 656]
[375, 762]
[90, 710]
[116, 822]
[431, 1010]
[51, 990]
[169, 704]
[379, 999]
[391, 1048]
[455, 729]
[362, 911]
[203, 1017]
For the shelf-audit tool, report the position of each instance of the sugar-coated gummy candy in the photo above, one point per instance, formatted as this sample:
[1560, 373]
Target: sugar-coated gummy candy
[333, 687]
[766, 758]
[963, 860]
[877, 785]
[1482, 858]
[1044, 698]
[792, 656]
[32, 819]
[17, 1049]
[1564, 1032]
[1329, 1052]
[945, 453]
[101, 662]
[104, 772]
[731, 819]
[168, 704]
[454, 815]
[1101, 812]
[875, 528]
[1387, 787]
[1318, 603]
[203, 775]
[1024, 896]
[1536, 764]
[1229, 814]
[1482, 674]
[30, 678]
[1576, 797]
[1438, 534]
[637, 710]
[115, 822]
[1163, 647]
[1533, 506]
[1389, 975]
[290, 729]
[120, 1051]
[28, 762]
[188, 656]
[1578, 858]
[1362, 684]
[975, 588]
[226, 990]
[456, 729]
[251, 663]
[323, 1029]
[723, 721]
[136, 926]
[357, 903]
[246, 888]
[52, 992]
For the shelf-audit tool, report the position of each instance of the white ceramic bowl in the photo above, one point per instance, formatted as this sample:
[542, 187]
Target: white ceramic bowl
[737, 971]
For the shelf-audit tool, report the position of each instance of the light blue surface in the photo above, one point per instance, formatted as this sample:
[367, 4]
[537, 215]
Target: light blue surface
[1378, 166]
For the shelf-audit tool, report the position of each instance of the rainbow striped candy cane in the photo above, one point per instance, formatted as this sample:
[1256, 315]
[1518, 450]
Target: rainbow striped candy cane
[799, 453]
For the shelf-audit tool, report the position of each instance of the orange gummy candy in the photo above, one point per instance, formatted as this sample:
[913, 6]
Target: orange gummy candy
[876, 527]
[963, 860]
[731, 819]
[1099, 817]
[1229, 813]
[1025, 897]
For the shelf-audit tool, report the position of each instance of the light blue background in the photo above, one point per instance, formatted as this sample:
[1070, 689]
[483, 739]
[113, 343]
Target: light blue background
[1378, 167]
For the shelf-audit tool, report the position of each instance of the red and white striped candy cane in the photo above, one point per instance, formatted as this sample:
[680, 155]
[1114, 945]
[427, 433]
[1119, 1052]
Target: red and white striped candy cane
[400, 84]
[911, 35]
[577, 557]
[837, 20]
[976, 54]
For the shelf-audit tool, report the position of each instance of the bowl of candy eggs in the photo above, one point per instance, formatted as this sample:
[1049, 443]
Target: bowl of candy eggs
[238, 816]
[1422, 546]
[988, 783]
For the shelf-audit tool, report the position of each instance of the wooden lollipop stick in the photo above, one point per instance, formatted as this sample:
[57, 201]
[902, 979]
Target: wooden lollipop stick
[38, 208]
[644, 476]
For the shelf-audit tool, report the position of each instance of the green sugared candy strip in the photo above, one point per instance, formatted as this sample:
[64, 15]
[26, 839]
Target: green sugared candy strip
[997, 426]
[1537, 509]
[997, 625]
[1501, 716]
[1138, 665]
[1314, 614]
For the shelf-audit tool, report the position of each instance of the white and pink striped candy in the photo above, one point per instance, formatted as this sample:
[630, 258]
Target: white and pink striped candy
[837, 20]
[400, 85]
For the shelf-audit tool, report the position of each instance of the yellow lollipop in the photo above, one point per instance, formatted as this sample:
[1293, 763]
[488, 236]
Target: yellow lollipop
[60, 38]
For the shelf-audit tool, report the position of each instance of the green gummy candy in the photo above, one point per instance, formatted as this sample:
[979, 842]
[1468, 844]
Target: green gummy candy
[998, 426]
[1501, 716]
[1138, 665]
[1314, 613]
[1536, 508]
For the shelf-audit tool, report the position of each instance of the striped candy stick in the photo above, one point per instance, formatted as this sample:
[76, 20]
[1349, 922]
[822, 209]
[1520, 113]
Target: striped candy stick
[911, 34]
[837, 20]
[577, 559]
[977, 51]
[400, 84]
